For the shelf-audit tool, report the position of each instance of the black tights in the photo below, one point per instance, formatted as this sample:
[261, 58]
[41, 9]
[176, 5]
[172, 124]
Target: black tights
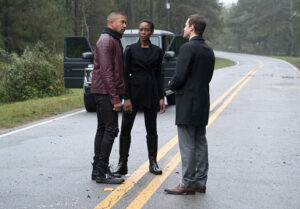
[150, 116]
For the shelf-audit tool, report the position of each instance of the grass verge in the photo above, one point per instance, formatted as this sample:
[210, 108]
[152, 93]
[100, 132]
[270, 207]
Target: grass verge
[14, 114]
[293, 60]
[221, 63]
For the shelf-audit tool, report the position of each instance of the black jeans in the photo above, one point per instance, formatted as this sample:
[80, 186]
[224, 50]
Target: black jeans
[107, 130]
[150, 121]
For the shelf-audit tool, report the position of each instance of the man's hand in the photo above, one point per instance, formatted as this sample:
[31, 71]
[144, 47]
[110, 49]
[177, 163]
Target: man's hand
[117, 107]
[162, 106]
[127, 106]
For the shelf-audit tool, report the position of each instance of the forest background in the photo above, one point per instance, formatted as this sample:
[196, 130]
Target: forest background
[270, 27]
[32, 33]
[32, 41]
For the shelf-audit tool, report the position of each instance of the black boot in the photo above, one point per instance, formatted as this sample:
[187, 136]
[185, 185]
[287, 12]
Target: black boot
[102, 177]
[95, 172]
[122, 168]
[152, 153]
[111, 174]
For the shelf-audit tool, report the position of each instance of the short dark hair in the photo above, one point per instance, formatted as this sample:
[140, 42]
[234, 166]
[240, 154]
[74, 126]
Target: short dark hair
[112, 14]
[198, 22]
[149, 22]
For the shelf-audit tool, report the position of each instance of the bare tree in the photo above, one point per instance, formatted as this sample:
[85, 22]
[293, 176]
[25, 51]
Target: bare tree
[76, 17]
[129, 13]
[151, 10]
[5, 24]
[291, 28]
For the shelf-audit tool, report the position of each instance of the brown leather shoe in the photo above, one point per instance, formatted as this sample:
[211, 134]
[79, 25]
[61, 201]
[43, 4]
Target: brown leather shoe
[181, 189]
[201, 189]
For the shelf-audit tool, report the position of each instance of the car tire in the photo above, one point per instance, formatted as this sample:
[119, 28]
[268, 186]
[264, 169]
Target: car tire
[89, 102]
[171, 99]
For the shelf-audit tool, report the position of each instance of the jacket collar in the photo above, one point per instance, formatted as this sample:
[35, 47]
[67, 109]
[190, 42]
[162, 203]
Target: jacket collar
[139, 43]
[198, 37]
[113, 33]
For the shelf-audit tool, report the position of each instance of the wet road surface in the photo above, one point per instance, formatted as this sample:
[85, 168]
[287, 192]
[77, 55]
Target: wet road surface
[253, 138]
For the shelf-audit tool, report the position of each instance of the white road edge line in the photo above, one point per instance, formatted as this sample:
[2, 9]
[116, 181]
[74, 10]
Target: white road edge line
[42, 123]
[292, 66]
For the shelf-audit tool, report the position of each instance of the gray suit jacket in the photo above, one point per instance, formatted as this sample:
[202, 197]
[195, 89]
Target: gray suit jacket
[194, 71]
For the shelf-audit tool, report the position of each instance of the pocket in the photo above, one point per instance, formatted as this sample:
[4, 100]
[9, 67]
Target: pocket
[135, 88]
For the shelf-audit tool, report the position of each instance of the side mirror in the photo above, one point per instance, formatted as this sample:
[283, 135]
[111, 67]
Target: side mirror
[88, 55]
[169, 54]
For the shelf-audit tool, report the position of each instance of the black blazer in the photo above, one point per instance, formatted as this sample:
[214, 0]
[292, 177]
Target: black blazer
[193, 73]
[143, 75]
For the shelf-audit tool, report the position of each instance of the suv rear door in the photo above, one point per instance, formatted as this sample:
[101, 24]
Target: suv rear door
[74, 64]
[169, 64]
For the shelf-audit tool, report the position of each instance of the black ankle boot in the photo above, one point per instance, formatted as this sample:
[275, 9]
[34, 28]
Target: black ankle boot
[152, 153]
[104, 178]
[111, 174]
[122, 168]
[95, 172]
[153, 167]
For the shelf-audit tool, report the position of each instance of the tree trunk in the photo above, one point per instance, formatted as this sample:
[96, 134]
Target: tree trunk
[239, 43]
[5, 25]
[69, 5]
[145, 7]
[170, 19]
[76, 17]
[272, 35]
[292, 34]
[86, 26]
[151, 10]
[129, 14]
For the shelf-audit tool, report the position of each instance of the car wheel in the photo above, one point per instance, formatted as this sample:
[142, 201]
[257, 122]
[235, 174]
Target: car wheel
[171, 99]
[89, 102]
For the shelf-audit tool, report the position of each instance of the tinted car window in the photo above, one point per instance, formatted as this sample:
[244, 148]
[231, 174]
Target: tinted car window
[166, 42]
[176, 44]
[76, 46]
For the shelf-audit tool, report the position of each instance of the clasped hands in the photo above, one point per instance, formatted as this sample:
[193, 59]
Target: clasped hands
[127, 107]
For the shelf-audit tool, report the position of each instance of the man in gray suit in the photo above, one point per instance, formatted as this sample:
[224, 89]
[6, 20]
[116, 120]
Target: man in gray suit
[191, 82]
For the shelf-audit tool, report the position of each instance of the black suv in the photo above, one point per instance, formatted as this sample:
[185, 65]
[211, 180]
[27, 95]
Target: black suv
[78, 61]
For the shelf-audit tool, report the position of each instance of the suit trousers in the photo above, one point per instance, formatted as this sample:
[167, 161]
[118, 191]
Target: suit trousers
[107, 130]
[194, 155]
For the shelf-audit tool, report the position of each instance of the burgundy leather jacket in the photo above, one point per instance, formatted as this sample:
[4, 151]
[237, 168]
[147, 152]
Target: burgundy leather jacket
[108, 67]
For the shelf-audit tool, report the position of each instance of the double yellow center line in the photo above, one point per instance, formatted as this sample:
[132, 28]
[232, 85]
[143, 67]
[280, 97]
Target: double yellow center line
[146, 194]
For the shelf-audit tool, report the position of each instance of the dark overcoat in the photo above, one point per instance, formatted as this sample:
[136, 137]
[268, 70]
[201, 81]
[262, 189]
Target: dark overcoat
[143, 75]
[194, 71]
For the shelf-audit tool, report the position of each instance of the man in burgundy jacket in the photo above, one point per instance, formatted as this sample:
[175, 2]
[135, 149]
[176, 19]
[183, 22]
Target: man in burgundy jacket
[107, 85]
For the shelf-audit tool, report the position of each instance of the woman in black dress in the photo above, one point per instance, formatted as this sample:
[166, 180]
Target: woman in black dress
[144, 91]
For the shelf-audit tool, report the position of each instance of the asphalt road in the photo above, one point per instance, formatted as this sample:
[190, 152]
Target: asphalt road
[253, 139]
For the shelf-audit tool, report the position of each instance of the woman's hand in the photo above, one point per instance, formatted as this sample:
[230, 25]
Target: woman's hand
[117, 107]
[162, 106]
[127, 106]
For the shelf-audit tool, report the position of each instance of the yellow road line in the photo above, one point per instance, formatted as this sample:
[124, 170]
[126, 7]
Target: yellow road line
[153, 186]
[119, 192]
[227, 101]
[229, 90]
[146, 194]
